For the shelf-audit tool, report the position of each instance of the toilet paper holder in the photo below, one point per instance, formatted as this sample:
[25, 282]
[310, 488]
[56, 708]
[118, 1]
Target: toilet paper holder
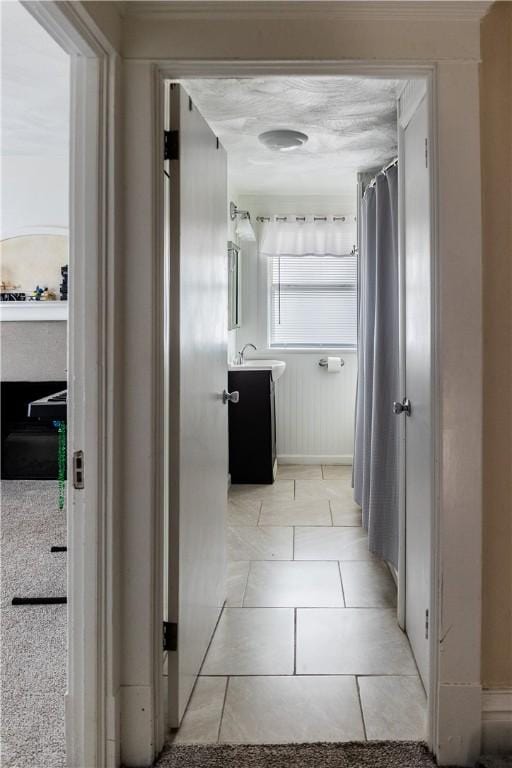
[323, 362]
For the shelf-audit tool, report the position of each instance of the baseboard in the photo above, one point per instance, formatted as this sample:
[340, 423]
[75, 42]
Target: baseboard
[496, 720]
[290, 458]
[459, 724]
[393, 571]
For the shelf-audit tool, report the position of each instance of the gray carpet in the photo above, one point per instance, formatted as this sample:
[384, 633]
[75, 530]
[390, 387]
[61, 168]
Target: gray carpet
[33, 638]
[350, 755]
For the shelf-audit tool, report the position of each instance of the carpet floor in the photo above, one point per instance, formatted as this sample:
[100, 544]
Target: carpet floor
[386, 754]
[32, 638]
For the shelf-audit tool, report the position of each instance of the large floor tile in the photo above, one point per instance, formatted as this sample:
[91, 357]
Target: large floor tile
[367, 584]
[281, 489]
[296, 513]
[243, 511]
[294, 584]
[393, 708]
[331, 544]
[351, 641]
[272, 710]
[237, 573]
[262, 543]
[252, 641]
[201, 722]
[296, 471]
[309, 490]
[337, 472]
[345, 512]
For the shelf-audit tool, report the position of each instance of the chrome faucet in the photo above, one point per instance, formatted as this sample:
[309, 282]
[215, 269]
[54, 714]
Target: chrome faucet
[240, 358]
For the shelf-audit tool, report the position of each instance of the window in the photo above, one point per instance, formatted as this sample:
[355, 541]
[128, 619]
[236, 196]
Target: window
[313, 301]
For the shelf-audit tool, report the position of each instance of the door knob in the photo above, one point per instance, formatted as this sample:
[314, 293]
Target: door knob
[230, 397]
[403, 407]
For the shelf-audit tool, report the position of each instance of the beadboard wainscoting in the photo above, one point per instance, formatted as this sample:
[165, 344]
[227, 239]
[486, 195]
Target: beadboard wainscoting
[315, 410]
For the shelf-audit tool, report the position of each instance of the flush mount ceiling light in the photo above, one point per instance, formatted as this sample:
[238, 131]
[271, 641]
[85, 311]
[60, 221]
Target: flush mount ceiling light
[283, 140]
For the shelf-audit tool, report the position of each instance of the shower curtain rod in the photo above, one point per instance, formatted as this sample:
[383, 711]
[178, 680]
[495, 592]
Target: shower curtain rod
[299, 218]
[373, 181]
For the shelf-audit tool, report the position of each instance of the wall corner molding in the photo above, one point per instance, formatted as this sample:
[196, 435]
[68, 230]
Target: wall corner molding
[380, 10]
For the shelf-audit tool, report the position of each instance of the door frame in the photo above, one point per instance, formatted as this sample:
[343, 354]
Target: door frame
[454, 710]
[90, 729]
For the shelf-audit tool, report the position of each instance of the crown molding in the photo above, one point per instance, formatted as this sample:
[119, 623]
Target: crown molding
[348, 10]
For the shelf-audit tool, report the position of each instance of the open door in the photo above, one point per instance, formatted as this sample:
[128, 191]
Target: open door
[198, 429]
[416, 354]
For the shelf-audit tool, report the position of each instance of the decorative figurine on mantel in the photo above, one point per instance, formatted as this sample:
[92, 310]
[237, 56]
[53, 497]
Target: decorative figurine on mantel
[42, 294]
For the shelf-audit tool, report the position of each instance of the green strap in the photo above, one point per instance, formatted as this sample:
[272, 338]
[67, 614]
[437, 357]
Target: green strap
[62, 463]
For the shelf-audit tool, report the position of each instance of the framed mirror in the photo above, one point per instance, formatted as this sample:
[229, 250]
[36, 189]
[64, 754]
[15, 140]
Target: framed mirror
[234, 286]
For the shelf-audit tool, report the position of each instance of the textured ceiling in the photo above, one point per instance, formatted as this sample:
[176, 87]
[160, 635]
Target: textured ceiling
[35, 87]
[350, 121]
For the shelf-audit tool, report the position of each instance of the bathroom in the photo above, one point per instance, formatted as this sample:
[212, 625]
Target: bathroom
[312, 612]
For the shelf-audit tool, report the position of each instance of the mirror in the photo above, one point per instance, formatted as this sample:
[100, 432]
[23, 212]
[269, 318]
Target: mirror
[234, 286]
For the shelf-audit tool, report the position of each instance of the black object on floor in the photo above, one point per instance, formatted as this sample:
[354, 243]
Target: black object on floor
[354, 754]
[30, 453]
[58, 549]
[39, 600]
[29, 448]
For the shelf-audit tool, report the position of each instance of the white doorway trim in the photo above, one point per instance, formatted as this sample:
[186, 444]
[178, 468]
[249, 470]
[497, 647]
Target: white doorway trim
[454, 695]
[90, 706]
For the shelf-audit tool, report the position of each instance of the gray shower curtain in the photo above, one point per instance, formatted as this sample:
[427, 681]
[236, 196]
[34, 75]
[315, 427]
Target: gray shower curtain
[376, 433]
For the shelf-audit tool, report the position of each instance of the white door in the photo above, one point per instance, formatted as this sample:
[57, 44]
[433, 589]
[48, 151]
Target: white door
[418, 368]
[198, 430]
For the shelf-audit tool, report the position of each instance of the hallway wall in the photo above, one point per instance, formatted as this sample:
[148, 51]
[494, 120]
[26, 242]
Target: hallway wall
[451, 38]
[496, 132]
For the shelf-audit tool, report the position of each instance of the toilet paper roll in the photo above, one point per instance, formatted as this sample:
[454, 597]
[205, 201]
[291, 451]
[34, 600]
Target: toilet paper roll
[333, 364]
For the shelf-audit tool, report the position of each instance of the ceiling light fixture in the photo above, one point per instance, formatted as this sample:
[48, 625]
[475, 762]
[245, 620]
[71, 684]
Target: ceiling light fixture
[283, 140]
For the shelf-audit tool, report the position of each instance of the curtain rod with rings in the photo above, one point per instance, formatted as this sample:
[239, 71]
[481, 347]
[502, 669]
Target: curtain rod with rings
[300, 218]
[373, 181]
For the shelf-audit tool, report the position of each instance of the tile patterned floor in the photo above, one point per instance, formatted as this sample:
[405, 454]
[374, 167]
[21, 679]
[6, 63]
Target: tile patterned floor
[307, 647]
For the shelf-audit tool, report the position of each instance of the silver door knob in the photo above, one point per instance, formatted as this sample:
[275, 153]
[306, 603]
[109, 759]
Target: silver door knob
[403, 407]
[230, 397]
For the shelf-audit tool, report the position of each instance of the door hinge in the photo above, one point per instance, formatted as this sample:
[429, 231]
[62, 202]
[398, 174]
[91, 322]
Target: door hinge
[170, 636]
[171, 145]
[426, 153]
[78, 470]
[426, 624]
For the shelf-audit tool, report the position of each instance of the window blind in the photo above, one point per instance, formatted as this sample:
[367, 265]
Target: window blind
[313, 301]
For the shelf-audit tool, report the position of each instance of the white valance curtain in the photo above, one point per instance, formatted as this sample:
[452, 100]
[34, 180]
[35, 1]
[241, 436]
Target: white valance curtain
[299, 236]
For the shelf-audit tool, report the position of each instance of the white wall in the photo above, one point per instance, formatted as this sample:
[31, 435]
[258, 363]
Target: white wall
[35, 194]
[34, 189]
[315, 410]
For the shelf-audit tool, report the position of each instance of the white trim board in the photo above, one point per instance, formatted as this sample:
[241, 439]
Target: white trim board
[16, 311]
[496, 720]
[287, 458]
[372, 10]
[91, 720]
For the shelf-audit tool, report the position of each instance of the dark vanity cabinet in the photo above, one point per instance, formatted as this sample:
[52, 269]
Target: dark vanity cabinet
[252, 427]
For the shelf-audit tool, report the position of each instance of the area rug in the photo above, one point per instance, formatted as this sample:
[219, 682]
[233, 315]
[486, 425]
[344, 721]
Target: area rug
[377, 754]
[32, 637]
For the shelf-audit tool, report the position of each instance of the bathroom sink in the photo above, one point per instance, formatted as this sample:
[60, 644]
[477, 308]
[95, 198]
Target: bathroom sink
[276, 366]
